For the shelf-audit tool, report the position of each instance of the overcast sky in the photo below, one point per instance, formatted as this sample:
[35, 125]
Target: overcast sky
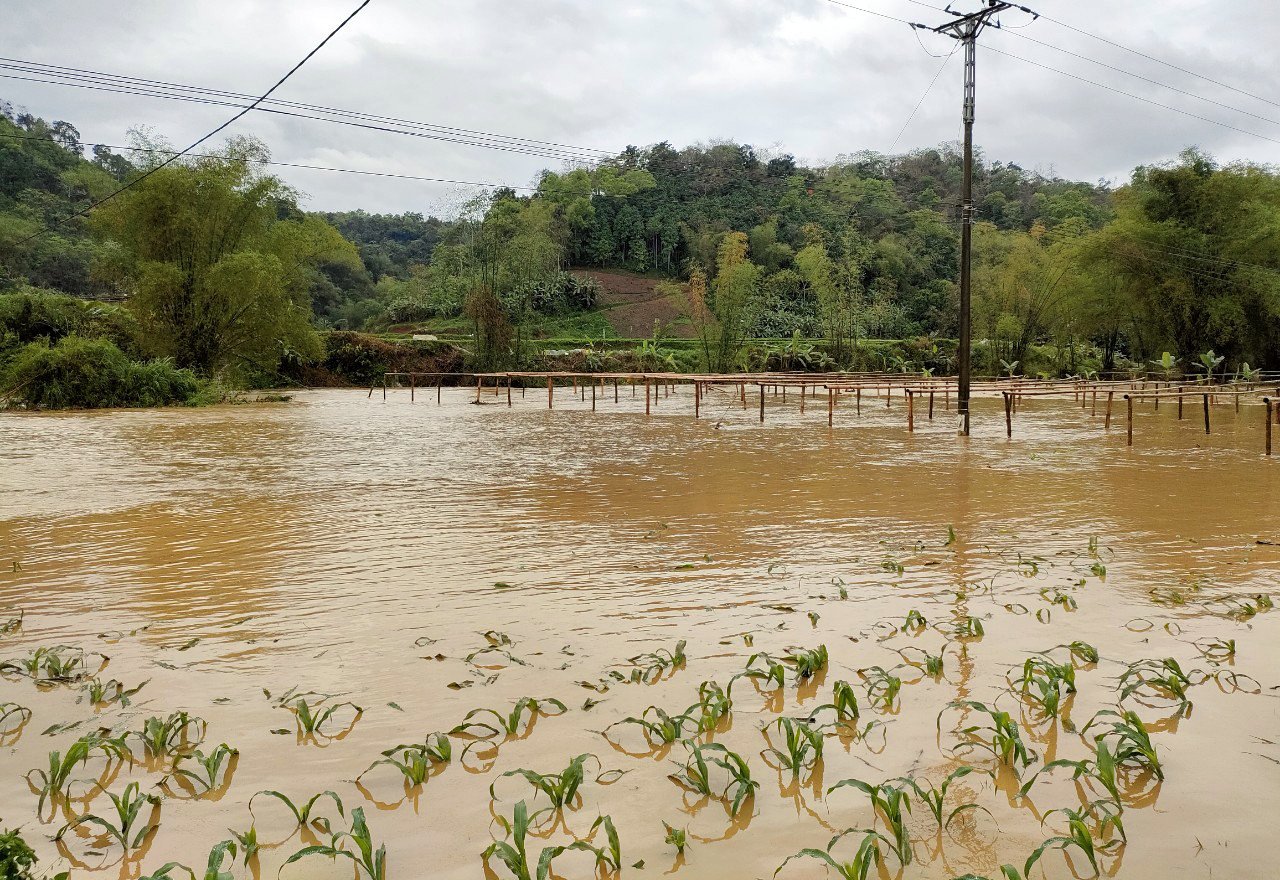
[802, 76]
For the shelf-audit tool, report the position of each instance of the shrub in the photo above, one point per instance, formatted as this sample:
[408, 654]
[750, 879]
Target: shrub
[16, 858]
[32, 314]
[89, 373]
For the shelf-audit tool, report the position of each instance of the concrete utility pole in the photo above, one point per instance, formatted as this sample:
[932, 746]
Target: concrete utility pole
[966, 28]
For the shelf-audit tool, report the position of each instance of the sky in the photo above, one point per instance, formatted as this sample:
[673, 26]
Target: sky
[812, 78]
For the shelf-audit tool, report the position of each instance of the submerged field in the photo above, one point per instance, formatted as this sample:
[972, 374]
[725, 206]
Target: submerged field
[408, 564]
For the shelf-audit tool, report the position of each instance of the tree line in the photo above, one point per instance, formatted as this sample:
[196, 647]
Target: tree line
[225, 275]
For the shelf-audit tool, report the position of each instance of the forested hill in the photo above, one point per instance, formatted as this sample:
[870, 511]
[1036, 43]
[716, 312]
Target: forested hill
[1070, 274]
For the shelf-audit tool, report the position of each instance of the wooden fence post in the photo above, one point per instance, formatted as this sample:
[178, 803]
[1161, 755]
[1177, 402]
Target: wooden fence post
[593, 396]
[508, 392]
[550, 391]
[1129, 430]
[697, 399]
[762, 403]
[1110, 394]
[911, 410]
[1266, 402]
[858, 400]
[1008, 415]
[931, 404]
[646, 395]
[439, 383]
[413, 383]
[1206, 413]
[831, 410]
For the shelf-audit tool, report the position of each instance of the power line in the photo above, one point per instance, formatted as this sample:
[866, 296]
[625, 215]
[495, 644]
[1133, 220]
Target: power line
[302, 165]
[1154, 82]
[100, 81]
[1132, 95]
[1161, 61]
[919, 103]
[83, 211]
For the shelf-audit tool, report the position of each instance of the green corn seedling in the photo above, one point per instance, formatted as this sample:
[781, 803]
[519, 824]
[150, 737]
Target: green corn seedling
[370, 862]
[677, 837]
[60, 664]
[416, 760]
[12, 717]
[659, 727]
[714, 706]
[53, 783]
[209, 770]
[125, 829]
[1158, 679]
[882, 687]
[312, 718]
[103, 693]
[915, 622]
[808, 663]
[302, 814]
[935, 797]
[176, 734]
[510, 723]
[803, 745]
[1133, 742]
[219, 854]
[513, 852]
[248, 841]
[1000, 735]
[653, 665]
[763, 668]
[695, 775]
[892, 802]
[1077, 835]
[560, 788]
[859, 867]
[968, 628]
[1044, 683]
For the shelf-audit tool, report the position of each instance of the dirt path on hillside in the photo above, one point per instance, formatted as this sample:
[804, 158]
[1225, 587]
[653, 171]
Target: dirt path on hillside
[632, 304]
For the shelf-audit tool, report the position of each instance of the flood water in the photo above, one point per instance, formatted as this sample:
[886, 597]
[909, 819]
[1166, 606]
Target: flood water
[361, 549]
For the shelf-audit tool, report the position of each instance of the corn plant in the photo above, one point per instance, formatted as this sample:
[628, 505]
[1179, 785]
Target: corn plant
[1044, 683]
[891, 800]
[1216, 650]
[914, 622]
[211, 771]
[882, 687]
[1000, 735]
[858, 868]
[930, 664]
[1102, 770]
[661, 728]
[935, 797]
[312, 717]
[844, 702]
[677, 837]
[12, 624]
[248, 841]
[53, 783]
[763, 668]
[416, 760]
[1057, 597]
[560, 788]
[1081, 652]
[1008, 872]
[1077, 835]
[803, 744]
[302, 814]
[217, 855]
[125, 829]
[60, 664]
[807, 663]
[1133, 743]
[509, 723]
[368, 861]
[714, 705]
[513, 852]
[696, 774]
[968, 628]
[176, 734]
[1157, 679]
[12, 717]
[654, 664]
[102, 693]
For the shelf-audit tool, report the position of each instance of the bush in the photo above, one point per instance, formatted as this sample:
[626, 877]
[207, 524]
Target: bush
[91, 373]
[31, 314]
[16, 858]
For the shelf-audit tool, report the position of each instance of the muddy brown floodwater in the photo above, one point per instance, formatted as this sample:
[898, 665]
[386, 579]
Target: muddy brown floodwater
[345, 546]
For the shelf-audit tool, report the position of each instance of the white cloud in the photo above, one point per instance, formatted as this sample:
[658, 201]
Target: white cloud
[816, 78]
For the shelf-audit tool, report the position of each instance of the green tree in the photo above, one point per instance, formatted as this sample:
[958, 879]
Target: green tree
[219, 281]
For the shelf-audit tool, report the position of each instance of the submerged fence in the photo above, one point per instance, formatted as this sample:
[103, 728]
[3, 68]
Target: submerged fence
[913, 389]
